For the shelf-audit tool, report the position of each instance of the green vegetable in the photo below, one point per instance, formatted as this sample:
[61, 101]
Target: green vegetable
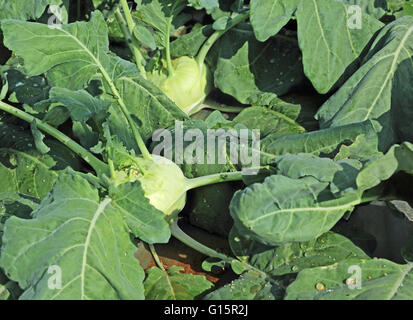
[187, 81]
[164, 184]
[189, 84]
[326, 82]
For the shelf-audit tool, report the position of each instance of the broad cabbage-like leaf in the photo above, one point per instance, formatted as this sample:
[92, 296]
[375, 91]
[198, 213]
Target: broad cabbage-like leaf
[4, 293]
[398, 158]
[304, 200]
[78, 236]
[149, 106]
[380, 89]
[77, 52]
[357, 141]
[196, 132]
[329, 43]
[247, 67]
[72, 57]
[293, 257]
[354, 279]
[13, 204]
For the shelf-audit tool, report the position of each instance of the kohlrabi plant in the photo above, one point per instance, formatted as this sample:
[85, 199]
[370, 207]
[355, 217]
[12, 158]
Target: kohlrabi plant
[186, 80]
[104, 157]
[162, 181]
[148, 190]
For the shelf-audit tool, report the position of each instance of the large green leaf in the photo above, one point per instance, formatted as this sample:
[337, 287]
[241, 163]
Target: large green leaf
[293, 257]
[304, 200]
[207, 208]
[247, 67]
[328, 42]
[408, 8]
[144, 220]
[357, 140]
[398, 158]
[381, 88]
[83, 236]
[267, 263]
[283, 209]
[380, 280]
[269, 16]
[77, 52]
[395, 5]
[173, 284]
[72, 57]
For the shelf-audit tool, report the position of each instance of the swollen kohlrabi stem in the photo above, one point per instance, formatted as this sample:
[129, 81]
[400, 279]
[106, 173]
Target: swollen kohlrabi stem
[216, 35]
[212, 179]
[133, 46]
[99, 166]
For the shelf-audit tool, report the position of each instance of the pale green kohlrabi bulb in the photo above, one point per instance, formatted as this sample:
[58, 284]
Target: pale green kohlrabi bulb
[164, 184]
[189, 84]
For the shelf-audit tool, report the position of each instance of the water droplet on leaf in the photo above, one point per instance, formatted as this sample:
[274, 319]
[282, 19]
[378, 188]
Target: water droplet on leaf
[320, 286]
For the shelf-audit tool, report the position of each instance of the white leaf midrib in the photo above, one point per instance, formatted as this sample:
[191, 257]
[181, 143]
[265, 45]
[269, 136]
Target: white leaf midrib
[100, 209]
[391, 71]
[399, 282]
